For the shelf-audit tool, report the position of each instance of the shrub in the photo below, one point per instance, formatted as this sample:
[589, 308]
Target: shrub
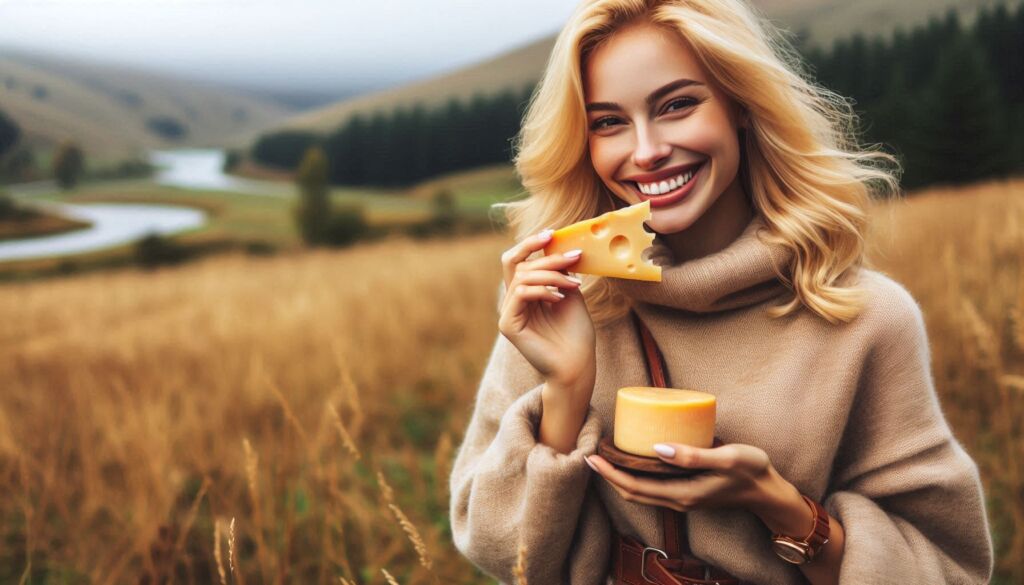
[346, 226]
[232, 158]
[167, 127]
[156, 250]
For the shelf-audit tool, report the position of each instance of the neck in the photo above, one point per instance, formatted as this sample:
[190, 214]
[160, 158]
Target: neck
[718, 227]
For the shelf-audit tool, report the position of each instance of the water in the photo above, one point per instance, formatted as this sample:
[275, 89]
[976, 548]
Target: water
[118, 224]
[112, 225]
[203, 169]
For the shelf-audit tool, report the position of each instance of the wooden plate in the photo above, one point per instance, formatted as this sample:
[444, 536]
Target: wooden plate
[645, 466]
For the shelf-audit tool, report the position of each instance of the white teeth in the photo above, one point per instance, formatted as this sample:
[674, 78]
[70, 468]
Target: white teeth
[662, 187]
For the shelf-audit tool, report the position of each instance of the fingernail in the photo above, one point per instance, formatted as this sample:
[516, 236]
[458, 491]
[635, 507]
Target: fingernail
[546, 234]
[592, 466]
[574, 279]
[573, 253]
[665, 450]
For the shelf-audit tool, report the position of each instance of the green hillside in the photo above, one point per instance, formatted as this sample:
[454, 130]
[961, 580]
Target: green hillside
[115, 112]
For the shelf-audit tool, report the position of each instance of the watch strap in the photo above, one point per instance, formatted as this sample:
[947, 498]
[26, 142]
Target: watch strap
[818, 537]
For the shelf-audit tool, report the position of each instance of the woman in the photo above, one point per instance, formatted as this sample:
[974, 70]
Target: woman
[820, 366]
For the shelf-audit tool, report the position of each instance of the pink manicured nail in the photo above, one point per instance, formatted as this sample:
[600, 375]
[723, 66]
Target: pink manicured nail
[665, 450]
[574, 279]
[546, 234]
[573, 253]
[592, 466]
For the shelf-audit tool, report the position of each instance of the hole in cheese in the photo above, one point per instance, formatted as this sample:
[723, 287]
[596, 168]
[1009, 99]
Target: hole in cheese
[613, 244]
[620, 248]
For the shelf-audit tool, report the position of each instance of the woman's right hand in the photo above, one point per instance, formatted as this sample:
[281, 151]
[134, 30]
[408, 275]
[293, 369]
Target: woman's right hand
[554, 333]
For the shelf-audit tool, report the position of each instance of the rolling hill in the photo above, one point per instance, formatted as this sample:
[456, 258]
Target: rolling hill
[822, 21]
[115, 112]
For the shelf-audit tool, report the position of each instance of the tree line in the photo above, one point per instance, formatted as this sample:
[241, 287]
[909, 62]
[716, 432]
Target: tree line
[946, 98]
[410, 144]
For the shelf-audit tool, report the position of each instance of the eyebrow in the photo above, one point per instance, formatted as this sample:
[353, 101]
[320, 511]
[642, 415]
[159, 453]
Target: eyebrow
[651, 99]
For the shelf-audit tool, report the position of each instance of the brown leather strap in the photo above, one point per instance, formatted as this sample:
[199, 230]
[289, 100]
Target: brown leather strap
[636, 564]
[655, 362]
[676, 542]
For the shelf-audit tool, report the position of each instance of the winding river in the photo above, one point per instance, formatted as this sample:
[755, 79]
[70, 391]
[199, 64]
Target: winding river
[112, 225]
[118, 224]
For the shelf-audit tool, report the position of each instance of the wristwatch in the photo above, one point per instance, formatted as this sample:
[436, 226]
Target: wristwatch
[800, 552]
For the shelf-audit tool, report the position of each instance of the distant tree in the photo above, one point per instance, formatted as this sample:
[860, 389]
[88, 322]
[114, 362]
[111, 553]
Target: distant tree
[19, 165]
[444, 215]
[232, 158]
[313, 212]
[9, 134]
[68, 164]
[963, 136]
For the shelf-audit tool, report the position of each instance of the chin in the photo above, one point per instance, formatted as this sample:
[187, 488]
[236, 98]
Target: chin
[672, 224]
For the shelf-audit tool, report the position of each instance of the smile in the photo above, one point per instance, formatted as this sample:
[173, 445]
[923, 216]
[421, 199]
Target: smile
[667, 191]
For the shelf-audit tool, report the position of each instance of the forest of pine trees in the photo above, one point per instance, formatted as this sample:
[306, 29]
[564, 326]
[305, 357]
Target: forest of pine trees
[948, 99]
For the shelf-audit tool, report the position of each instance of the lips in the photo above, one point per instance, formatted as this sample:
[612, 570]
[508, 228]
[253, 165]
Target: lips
[674, 195]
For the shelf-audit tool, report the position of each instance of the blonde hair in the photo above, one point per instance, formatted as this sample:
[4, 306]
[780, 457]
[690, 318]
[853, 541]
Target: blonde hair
[802, 167]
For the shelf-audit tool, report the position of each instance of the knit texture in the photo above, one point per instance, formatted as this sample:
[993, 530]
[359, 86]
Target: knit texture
[847, 413]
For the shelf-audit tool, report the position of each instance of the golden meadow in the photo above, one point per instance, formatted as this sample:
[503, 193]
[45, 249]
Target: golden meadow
[293, 419]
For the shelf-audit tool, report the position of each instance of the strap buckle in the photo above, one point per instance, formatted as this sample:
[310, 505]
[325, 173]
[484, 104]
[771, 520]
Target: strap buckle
[643, 562]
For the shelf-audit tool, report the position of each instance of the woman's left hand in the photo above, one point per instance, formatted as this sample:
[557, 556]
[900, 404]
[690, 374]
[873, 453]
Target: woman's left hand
[736, 475]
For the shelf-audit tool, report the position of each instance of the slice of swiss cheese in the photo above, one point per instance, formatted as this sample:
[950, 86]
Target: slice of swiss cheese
[612, 244]
[648, 415]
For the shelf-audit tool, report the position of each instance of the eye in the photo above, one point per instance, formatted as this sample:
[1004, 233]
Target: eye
[681, 103]
[605, 122]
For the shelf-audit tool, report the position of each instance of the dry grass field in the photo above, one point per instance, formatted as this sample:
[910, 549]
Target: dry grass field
[293, 419]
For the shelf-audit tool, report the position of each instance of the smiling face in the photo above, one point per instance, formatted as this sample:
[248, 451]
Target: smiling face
[659, 129]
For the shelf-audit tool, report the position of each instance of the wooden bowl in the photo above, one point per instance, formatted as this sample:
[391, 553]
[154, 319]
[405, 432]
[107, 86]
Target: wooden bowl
[643, 466]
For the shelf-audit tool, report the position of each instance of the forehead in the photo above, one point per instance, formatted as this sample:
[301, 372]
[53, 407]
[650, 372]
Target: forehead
[637, 59]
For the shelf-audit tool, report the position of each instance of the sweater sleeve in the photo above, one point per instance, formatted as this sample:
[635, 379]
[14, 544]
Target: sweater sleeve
[508, 489]
[906, 493]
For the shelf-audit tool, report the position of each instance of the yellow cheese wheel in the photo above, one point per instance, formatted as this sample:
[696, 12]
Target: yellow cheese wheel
[645, 416]
[612, 244]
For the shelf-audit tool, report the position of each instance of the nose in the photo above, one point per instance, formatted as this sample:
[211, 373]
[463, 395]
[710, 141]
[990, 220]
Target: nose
[650, 149]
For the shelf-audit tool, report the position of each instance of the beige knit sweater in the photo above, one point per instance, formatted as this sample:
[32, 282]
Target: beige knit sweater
[847, 413]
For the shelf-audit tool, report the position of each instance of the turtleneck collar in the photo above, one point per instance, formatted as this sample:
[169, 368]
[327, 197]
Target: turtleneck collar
[737, 276]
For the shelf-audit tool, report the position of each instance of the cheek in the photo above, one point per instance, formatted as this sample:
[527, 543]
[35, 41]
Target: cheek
[605, 156]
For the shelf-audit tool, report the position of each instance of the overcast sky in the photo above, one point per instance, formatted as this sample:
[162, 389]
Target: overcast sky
[324, 45]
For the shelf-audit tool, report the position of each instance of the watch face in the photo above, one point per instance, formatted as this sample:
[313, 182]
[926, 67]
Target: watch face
[790, 552]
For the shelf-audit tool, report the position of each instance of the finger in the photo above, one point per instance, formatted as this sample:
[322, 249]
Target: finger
[641, 499]
[553, 262]
[516, 254]
[635, 491]
[516, 304]
[690, 457]
[546, 278]
[631, 484]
